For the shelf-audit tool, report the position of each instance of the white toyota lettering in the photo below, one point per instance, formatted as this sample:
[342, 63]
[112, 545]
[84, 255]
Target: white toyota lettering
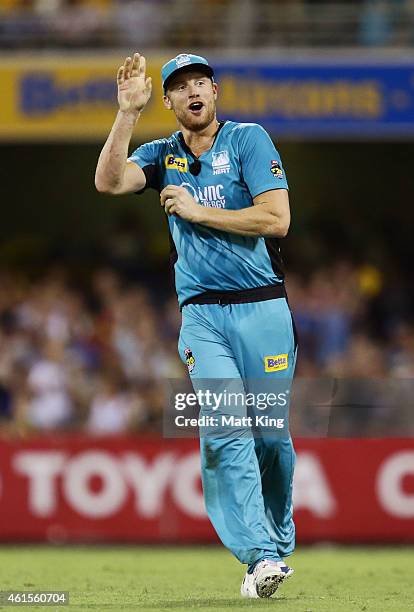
[48, 472]
[311, 488]
[389, 485]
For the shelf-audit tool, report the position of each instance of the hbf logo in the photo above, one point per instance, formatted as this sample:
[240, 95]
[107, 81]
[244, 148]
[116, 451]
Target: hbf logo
[274, 363]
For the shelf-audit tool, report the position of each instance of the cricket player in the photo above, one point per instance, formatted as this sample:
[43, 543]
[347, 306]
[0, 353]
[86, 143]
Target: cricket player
[224, 190]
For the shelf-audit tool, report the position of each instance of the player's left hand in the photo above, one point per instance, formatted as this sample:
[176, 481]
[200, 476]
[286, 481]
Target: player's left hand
[178, 201]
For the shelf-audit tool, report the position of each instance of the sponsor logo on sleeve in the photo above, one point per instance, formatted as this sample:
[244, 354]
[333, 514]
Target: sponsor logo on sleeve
[176, 163]
[276, 170]
[274, 363]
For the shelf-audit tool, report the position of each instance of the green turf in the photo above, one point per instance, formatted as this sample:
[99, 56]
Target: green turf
[136, 578]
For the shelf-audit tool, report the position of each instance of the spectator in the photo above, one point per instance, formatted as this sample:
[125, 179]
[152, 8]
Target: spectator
[150, 19]
[49, 405]
[230, 24]
[115, 409]
[80, 23]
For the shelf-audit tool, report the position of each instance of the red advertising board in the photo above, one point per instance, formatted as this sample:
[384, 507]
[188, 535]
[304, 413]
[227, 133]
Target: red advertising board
[145, 489]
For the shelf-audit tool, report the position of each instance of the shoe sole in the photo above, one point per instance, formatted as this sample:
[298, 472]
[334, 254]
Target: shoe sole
[270, 584]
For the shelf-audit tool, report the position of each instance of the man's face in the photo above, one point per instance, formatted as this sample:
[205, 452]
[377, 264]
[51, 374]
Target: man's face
[192, 96]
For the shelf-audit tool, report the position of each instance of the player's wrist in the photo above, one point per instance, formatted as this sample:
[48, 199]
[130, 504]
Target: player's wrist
[200, 213]
[130, 114]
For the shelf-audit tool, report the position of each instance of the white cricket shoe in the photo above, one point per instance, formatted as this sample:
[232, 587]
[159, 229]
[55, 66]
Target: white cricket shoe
[265, 579]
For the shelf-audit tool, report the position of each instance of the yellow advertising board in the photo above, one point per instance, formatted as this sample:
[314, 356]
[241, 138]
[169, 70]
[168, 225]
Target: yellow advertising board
[71, 98]
[66, 97]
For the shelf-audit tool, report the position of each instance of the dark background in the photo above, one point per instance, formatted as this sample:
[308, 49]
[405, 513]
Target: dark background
[351, 200]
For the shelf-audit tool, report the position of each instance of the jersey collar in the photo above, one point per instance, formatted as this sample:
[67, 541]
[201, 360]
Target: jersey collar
[187, 148]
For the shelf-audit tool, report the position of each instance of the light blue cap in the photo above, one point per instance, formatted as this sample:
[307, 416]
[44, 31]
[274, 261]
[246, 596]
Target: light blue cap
[183, 62]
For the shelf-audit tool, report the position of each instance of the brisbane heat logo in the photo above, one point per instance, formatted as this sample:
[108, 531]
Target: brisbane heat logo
[182, 60]
[211, 195]
[221, 162]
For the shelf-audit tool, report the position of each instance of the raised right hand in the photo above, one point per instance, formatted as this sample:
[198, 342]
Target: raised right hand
[134, 90]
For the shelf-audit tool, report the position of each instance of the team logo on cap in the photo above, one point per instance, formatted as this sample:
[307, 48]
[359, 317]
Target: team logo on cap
[182, 60]
[276, 170]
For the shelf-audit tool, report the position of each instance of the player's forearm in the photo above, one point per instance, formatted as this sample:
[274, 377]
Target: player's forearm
[253, 221]
[112, 161]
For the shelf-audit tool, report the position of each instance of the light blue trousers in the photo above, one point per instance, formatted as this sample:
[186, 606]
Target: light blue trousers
[247, 481]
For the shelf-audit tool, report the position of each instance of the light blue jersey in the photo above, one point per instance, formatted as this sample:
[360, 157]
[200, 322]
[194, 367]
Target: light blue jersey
[246, 478]
[242, 163]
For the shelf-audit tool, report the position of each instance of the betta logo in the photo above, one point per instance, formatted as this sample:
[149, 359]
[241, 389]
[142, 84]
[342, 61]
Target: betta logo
[189, 359]
[274, 363]
[176, 163]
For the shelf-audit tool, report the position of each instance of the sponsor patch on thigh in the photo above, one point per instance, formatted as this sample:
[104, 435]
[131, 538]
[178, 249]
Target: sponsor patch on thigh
[274, 363]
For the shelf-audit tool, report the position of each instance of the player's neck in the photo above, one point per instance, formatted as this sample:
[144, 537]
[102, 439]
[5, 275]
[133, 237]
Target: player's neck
[200, 142]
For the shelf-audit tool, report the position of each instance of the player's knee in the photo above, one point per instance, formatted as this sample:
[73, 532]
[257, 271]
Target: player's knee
[273, 446]
[210, 455]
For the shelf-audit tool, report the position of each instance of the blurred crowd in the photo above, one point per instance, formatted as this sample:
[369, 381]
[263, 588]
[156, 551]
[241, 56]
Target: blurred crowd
[229, 24]
[90, 359]
[96, 358]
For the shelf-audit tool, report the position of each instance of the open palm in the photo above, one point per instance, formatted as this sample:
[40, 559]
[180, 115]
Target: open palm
[134, 89]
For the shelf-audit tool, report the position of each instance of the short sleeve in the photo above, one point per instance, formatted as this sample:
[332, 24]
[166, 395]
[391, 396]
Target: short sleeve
[147, 158]
[260, 161]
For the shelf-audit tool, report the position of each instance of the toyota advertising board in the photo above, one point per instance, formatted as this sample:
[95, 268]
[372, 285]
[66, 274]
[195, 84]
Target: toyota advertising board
[74, 488]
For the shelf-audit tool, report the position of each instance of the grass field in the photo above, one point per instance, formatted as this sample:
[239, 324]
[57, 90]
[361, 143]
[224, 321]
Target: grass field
[137, 578]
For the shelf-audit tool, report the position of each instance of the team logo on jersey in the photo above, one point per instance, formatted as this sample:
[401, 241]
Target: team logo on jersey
[189, 359]
[274, 363]
[221, 162]
[176, 163]
[276, 170]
